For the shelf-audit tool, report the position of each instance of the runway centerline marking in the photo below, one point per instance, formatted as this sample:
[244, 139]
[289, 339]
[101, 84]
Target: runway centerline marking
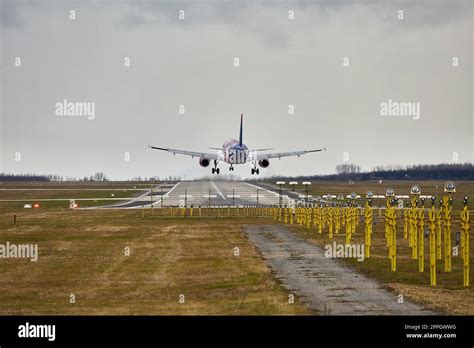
[218, 191]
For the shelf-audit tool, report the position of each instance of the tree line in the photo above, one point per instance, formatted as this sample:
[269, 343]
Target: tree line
[346, 171]
[461, 171]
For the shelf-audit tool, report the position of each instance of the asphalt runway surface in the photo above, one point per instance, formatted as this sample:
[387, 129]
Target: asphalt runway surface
[209, 193]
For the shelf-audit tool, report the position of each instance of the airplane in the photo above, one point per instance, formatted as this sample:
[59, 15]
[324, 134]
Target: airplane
[234, 151]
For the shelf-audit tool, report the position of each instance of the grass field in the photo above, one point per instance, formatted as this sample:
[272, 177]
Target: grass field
[83, 253]
[51, 195]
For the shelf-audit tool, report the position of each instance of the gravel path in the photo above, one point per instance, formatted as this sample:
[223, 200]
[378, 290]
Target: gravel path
[324, 284]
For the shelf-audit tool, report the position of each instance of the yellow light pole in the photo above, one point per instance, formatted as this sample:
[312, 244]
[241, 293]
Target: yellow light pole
[393, 235]
[432, 219]
[313, 213]
[413, 216]
[344, 216]
[415, 229]
[389, 194]
[349, 222]
[465, 226]
[421, 237]
[330, 221]
[438, 230]
[449, 187]
[320, 218]
[405, 223]
[368, 219]
[410, 224]
[387, 224]
[292, 213]
[446, 217]
[308, 217]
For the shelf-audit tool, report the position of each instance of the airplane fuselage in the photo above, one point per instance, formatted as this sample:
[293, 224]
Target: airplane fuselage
[234, 153]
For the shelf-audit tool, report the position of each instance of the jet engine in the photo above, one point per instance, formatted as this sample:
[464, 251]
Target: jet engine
[204, 162]
[264, 163]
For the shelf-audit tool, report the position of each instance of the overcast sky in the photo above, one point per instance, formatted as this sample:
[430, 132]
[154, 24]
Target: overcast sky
[190, 62]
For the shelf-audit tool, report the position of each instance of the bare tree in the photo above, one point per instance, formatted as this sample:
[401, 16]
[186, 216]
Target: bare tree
[347, 168]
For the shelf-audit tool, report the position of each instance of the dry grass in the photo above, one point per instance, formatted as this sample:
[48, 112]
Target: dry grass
[456, 302]
[82, 252]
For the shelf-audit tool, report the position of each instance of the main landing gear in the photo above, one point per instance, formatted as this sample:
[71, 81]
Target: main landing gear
[215, 169]
[255, 170]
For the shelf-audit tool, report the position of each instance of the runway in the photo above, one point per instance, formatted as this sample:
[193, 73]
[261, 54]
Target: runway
[208, 194]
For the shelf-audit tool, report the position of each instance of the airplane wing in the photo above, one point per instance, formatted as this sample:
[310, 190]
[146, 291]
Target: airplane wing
[261, 156]
[211, 156]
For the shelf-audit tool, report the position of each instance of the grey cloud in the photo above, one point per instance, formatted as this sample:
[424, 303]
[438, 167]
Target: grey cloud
[422, 12]
[191, 64]
[9, 16]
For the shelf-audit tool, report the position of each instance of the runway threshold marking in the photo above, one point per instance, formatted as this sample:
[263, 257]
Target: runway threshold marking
[261, 188]
[167, 193]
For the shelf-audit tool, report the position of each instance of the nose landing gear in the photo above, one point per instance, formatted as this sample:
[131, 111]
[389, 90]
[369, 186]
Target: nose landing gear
[231, 168]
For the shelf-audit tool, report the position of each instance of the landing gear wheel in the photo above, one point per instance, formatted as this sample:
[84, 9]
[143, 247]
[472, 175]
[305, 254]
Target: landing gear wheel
[215, 169]
[252, 171]
[257, 171]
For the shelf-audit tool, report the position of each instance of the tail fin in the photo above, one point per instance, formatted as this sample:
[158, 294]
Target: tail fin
[241, 129]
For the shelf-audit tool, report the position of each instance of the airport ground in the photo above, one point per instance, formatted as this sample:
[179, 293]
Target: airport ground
[82, 251]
